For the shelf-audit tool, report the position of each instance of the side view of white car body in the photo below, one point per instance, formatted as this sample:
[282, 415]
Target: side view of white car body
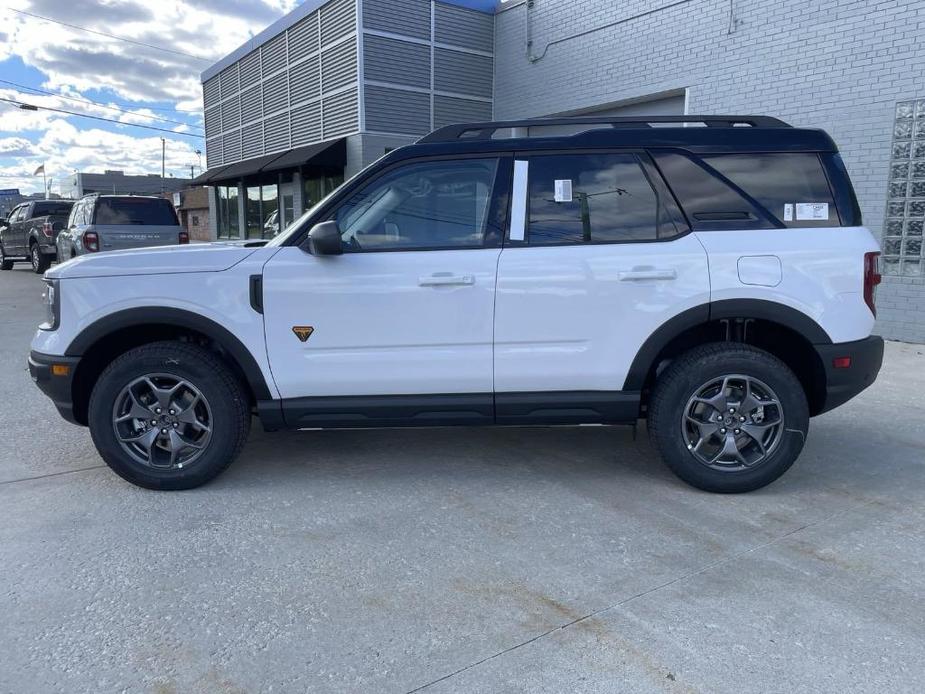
[592, 278]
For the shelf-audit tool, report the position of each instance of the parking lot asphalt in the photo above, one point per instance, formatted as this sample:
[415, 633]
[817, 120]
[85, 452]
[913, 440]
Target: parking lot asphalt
[460, 560]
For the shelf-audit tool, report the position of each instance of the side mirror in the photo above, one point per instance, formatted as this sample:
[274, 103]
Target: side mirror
[324, 239]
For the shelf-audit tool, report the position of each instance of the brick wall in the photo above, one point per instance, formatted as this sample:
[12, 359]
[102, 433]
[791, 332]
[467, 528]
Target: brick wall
[836, 64]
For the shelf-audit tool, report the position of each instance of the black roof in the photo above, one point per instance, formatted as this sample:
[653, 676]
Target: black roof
[701, 134]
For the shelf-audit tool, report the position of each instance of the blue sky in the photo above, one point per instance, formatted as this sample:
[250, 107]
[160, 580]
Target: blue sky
[159, 87]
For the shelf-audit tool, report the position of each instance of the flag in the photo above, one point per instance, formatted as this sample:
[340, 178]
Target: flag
[39, 170]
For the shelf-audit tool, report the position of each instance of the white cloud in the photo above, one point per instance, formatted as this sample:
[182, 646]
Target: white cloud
[15, 147]
[74, 62]
[75, 59]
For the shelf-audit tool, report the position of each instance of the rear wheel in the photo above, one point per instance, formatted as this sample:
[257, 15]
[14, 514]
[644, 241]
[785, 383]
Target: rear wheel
[728, 417]
[40, 261]
[6, 263]
[168, 415]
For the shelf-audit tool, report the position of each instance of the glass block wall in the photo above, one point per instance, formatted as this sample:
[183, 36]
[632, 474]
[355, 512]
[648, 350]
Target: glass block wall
[905, 210]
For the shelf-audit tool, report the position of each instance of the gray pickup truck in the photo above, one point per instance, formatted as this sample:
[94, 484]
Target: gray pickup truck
[117, 222]
[31, 231]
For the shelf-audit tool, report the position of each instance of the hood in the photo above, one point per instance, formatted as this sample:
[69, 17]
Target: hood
[198, 257]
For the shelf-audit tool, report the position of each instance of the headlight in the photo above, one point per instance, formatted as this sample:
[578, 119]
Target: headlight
[52, 300]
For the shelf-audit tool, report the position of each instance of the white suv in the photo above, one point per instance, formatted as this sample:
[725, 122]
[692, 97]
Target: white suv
[715, 280]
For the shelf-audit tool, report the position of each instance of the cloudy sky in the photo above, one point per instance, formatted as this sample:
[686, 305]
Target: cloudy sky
[51, 65]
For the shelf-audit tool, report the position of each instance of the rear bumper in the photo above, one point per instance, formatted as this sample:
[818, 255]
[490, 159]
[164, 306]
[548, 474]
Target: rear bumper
[58, 387]
[842, 384]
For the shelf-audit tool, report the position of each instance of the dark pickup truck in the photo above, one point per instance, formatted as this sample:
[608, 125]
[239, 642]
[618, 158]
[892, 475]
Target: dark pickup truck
[30, 233]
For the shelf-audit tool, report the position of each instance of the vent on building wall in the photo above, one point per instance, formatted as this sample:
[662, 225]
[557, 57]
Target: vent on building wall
[905, 207]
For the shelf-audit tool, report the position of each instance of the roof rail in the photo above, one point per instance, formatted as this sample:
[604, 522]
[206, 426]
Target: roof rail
[486, 130]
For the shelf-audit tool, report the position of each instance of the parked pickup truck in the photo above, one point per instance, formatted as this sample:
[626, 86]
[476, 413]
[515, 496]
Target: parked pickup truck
[30, 233]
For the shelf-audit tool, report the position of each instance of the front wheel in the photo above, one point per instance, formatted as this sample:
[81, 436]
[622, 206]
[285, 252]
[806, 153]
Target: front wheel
[168, 415]
[728, 417]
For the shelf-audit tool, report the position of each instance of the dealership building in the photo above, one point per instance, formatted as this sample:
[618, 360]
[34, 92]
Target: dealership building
[334, 85]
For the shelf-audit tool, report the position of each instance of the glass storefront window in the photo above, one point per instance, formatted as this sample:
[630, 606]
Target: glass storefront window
[270, 207]
[287, 210]
[234, 224]
[316, 187]
[253, 213]
[228, 227]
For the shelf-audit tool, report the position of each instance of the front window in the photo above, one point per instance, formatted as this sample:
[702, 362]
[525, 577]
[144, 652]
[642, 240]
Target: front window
[423, 205]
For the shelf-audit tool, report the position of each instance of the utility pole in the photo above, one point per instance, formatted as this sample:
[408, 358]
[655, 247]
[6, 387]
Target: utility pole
[163, 161]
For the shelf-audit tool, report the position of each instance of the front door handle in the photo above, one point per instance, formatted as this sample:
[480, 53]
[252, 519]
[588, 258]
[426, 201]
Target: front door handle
[648, 273]
[445, 279]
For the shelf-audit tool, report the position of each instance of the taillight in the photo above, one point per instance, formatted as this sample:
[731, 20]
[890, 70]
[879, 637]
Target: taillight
[871, 278]
[91, 241]
[184, 237]
[48, 229]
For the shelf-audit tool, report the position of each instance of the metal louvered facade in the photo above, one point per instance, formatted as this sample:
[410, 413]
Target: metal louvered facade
[366, 75]
[424, 62]
[295, 87]
[393, 68]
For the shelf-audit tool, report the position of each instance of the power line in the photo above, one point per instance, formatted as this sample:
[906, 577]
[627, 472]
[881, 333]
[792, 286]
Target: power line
[110, 36]
[33, 107]
[95, 103]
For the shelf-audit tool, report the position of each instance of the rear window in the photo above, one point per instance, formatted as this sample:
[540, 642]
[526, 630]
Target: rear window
[592, 198]
[755, 190]
[143, 211]
[51, 207]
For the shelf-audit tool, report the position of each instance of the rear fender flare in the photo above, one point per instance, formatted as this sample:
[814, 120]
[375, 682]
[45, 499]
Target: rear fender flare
[761, 309]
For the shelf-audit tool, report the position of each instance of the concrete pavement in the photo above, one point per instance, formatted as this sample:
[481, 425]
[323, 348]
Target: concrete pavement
[460, 560]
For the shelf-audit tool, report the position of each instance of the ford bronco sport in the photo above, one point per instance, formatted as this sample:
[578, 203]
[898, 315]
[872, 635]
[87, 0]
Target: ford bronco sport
[710, 274]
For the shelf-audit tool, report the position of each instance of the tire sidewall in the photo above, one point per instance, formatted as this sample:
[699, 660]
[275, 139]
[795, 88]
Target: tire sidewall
[683, 385]
[221, 448]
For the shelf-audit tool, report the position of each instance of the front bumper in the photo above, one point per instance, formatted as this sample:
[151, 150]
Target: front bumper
[842, 384]
[55, 383]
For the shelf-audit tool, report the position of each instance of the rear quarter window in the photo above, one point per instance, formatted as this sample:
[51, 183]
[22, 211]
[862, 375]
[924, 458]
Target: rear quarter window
[751, 190]
[135, 211]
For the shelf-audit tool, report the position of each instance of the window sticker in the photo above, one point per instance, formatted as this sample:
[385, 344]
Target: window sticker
[788, 212]
[812, 210]
[563, 190]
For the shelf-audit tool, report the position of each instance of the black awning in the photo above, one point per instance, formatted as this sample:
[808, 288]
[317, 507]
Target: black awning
[330, 154]
[207, 176]
[248, 167]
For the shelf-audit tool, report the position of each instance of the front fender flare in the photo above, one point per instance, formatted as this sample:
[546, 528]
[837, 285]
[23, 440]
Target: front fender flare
[180, 318]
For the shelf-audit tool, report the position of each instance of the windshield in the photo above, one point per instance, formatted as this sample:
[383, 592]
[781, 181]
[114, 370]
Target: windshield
[296, 225]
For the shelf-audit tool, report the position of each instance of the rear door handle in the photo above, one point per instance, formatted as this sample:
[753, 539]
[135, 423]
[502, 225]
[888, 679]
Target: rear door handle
[445, 279]
[652, 273]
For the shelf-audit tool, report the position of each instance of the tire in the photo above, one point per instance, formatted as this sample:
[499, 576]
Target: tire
[5, 262]
[40, 261]
[688, 397]
[222, 405]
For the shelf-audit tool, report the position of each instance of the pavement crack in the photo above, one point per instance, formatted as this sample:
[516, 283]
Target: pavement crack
[51, 474]
[719, 562]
